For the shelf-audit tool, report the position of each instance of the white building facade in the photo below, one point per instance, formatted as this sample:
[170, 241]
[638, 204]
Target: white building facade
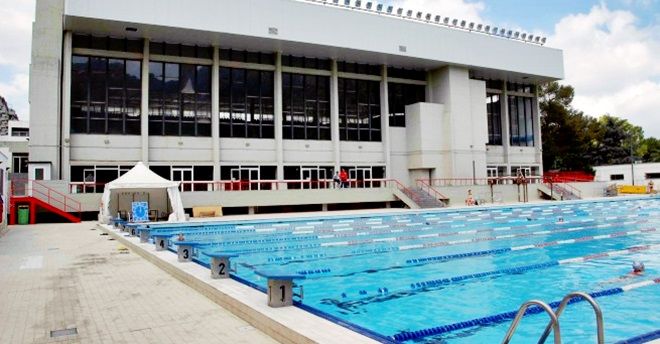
[226, 90]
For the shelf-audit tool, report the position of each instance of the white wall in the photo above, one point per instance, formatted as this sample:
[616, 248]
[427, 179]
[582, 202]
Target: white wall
[603, 173]
[45, 82]
[309, 26]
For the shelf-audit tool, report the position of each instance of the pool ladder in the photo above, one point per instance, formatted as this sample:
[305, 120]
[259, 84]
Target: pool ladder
[554, 317]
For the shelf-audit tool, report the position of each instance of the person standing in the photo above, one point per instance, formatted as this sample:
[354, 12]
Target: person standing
[336, 180]
[343, 177]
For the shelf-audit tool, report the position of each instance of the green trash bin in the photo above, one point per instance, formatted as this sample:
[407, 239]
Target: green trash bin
[23, 214]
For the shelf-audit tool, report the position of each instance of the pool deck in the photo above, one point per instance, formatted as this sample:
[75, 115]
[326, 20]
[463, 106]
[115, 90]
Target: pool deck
[287, 325]
[62, 276]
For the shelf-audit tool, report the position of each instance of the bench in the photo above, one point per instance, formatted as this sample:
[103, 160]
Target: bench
[280, 287]
[207, 211]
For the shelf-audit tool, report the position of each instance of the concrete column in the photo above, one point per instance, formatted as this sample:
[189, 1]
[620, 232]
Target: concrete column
[215, 112]
[66, 106]
[385, 122]
[279, 146]
[334, 115]
[144, 104]
[506, 133]
[538, 143]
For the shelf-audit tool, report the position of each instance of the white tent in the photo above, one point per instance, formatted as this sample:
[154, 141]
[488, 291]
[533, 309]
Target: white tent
[142, 179]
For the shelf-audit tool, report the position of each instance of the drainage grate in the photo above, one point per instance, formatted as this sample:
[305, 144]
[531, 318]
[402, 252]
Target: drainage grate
[65, 332]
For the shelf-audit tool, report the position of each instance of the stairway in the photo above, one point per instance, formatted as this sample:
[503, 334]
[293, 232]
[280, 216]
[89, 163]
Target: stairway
[34, 193]
[557, 192]
[424, 200]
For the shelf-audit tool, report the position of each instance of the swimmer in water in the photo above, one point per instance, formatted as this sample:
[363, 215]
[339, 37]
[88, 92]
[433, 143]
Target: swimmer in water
[180, 237]
[637, 270]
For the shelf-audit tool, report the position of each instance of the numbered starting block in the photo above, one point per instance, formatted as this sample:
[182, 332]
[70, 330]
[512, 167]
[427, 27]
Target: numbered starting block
[184, 251]
[144, 233]
[131, 228]
[161, 242]
[220, 264]
[280, 287]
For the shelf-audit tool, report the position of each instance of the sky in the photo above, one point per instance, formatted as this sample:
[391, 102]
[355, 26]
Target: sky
[611, 48]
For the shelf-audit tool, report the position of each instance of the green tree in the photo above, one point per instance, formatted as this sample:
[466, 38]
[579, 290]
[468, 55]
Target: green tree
[567, 133]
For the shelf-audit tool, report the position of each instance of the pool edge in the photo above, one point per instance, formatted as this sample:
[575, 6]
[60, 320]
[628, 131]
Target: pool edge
[290, 329]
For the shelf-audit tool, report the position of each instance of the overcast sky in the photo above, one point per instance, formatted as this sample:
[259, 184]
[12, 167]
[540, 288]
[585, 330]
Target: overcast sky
[611, 48]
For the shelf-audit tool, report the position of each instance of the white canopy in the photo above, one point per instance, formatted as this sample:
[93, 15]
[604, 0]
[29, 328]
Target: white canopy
[141, 179]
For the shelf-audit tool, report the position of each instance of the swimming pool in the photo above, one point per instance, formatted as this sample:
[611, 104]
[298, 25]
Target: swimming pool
[457, 276]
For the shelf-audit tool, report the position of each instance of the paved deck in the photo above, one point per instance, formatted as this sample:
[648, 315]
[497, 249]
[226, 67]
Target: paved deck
[60, 276]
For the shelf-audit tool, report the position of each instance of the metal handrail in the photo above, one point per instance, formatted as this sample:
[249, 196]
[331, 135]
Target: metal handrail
[594, 305]
[521, 313]
[426, 186]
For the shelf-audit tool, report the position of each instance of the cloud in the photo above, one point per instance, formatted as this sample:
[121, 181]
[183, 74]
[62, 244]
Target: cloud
[15, 92]
[459, 9]
[16, 37]
[612, 63]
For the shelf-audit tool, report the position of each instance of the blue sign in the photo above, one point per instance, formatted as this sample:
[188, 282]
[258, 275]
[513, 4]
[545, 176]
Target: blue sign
[140, 211]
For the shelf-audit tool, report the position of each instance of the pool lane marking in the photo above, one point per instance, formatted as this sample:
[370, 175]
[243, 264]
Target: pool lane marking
[525, 268]
[507, 316]
[401, 238]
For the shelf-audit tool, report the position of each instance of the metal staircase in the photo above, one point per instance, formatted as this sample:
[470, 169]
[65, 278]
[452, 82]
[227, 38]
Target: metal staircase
[35, 193]
[559, 191]
[553, 325]
[426, 200]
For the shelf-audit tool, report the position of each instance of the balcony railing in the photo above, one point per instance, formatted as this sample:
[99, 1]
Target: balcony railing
[247, 185]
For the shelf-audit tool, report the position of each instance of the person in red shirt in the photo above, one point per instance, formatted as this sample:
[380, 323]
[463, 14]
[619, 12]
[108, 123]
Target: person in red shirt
[343, 177]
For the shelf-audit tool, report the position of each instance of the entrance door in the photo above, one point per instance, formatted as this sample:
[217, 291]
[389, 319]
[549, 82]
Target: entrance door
[314, 177]
[360, 177]
[184, 175]
[244, 178]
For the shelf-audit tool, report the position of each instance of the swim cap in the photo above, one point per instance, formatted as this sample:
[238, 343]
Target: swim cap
[638, 266]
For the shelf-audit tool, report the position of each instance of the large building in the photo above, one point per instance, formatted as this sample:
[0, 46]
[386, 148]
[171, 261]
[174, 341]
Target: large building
[273, 90]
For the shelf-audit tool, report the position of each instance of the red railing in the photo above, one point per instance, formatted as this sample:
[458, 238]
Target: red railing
[426, 187]
[38, 190]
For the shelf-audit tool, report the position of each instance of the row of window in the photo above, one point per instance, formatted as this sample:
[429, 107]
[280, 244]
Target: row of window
[106, 98]
[521, 120]
[240, 177]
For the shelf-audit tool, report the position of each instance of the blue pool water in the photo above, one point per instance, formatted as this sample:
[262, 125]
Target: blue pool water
[405, 277]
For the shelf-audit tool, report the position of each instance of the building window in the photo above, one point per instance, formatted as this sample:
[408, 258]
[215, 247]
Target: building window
[247, 56]
[494, 111]
[521, 121]
[616, 177]
[105, 95]
[92, 179]
[182, 50]
[19, 163]
[23, 132]
[246, 103]
[655, 175]
[357, 68]
[192, 178]
[107, 43]
[402, 73]
[248, 177]
[306, 62]
[305, 107]
[179, 99]
[359, 110]
[309, 177]
[400, 95]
